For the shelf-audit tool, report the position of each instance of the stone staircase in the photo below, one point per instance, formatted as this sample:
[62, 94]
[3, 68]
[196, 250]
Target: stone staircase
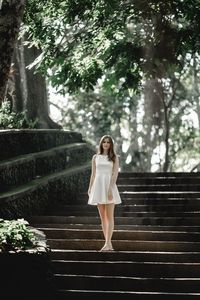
[156, 241]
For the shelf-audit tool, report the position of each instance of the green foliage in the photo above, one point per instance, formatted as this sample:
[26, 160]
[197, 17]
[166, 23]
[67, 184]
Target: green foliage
[125, 44]
[15, 235]
[81, 40]
[9, 119]
[101, 111]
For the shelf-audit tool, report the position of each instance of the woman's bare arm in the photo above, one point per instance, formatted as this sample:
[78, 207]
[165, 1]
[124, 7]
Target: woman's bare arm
[114, 173]
[93, 173]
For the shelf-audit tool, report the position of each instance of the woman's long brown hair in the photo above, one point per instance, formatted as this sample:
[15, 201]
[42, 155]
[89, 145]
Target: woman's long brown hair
[111, 151]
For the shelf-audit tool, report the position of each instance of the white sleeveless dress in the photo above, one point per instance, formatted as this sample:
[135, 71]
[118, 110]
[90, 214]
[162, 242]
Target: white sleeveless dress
[100, 186]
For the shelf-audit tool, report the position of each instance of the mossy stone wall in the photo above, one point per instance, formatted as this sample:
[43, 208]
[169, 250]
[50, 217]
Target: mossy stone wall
[56, 172]
[19, 142]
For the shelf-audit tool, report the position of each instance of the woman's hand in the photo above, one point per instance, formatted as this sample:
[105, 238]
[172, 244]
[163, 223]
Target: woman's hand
[110, 195]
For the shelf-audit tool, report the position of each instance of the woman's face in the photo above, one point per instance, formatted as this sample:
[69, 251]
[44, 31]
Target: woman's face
[106, 144]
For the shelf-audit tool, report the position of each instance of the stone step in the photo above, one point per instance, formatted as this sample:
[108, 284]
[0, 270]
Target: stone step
[159, 187]
[148, 201]
[157, 174]
[123, 283]
[128, 208]
[129, 245]
[145, 201]
[164, 220]
[144, 214]
[184, 228]
[121, 295]
[128, 269]
[83, 197]
[137, 256]
[157, 201]
[158, 180]
[59, 233]
[161, 194]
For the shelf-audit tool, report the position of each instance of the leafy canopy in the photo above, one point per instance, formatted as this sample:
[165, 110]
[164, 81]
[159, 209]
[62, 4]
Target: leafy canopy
[82, 39]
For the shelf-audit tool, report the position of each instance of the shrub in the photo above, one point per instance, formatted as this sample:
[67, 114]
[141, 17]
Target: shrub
[16, 235]
[10, 119]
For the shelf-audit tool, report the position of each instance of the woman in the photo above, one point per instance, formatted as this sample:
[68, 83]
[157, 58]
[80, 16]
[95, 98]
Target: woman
[102, 190]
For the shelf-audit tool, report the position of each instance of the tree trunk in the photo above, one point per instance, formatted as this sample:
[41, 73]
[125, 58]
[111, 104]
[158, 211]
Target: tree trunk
[11, 14]
[37, 103]
[19, 78]
[196, 87]
[166, 139]
[30, 88]
[152, 120]
[136, 162]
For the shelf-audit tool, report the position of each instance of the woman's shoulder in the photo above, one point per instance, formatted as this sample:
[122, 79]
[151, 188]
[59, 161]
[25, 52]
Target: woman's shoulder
[94, 156]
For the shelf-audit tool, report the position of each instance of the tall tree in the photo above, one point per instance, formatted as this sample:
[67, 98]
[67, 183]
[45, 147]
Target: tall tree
[11, 15]
[35, 102]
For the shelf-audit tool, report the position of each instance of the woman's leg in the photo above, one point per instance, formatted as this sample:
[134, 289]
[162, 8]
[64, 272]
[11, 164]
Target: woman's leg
[106, 212]
[110, 224]
[102, 214]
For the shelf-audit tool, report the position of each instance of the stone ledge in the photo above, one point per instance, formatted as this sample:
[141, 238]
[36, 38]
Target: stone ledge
[24, 141]
[23, 169]
[37, 195]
